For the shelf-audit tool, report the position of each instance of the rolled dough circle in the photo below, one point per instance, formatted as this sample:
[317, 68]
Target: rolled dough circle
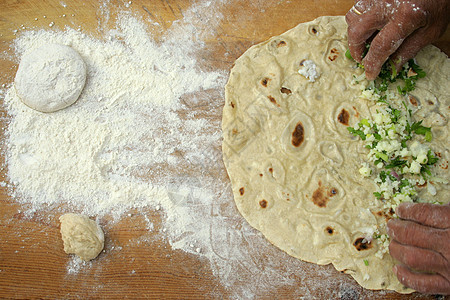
[293, 165]
[50, 77]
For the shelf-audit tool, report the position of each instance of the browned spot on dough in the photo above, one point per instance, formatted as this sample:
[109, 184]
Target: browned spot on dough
[421, 185]
[301, 63]
[263, 203]
[391, 212]
[261, 175]
[443, 164]
[313, 30]
[322, 195]
[332, 57]
[343, 117]
[272, 99]
[265, 81]
[356, 112]
[319, 198]
[281, 44]
[298, 135]
[413, 100]
[234, 131]
[430, 102]
[330, 230]
[232, 104]
[286, 91]
[334, 50]
[362, 244]
[380, 214]
[271, 170]
[241, 191]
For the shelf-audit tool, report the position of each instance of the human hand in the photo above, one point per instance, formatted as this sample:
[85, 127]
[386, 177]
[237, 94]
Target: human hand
[420, 241]
[405, 27]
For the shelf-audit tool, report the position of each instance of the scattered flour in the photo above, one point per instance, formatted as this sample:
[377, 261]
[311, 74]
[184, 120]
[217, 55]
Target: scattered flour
[76, 264]
[145, 132]
[99, 153]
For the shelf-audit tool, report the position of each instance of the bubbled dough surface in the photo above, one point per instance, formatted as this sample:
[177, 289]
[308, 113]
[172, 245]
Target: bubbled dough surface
[81, 236]
[294, 195]
[50, 77]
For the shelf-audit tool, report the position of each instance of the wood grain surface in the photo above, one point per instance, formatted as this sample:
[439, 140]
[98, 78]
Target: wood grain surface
[32, 261]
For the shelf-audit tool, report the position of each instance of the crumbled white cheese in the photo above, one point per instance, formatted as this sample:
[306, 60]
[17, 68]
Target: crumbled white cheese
[383, 242]
[309, 70]
[399, 198]
[370, 95]
[415, 167]
[365, 170]
[418, 149]
[403, 152]
[422, 158]
[431, 189]
[368, 233]
[389, 136]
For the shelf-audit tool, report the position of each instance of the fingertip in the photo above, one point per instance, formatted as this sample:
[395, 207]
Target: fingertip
[372, 68]
[371, 74]
[422, 282]
[389, 222]
[400, 209]
[368, 72]
[389, 226]
[391, 248]
[395, 269]
[356, 51]
[400, 271]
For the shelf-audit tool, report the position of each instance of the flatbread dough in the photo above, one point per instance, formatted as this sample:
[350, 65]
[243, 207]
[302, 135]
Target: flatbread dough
[81, 236]
[293, 164]
[50, 78]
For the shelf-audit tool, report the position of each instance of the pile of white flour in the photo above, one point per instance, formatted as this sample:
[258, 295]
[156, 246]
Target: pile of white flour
[145, 133]
[124, 129]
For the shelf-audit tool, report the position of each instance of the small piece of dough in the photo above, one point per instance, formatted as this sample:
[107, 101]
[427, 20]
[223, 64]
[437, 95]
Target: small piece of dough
[50, 78]
[81, 236]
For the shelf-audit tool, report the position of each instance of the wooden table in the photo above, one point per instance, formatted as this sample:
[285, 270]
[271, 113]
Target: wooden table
[32, 261]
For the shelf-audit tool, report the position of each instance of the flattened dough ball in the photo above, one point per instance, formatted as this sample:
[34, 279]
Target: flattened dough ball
[81, 236]
[50, 78]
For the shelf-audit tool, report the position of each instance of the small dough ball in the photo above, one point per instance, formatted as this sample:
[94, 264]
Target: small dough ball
[50, 78]
[81, 236]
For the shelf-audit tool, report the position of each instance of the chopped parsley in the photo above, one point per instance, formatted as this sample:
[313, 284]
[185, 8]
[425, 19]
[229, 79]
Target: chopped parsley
[356, 132]
[419, 129]
[389, 74]
[397, 144]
